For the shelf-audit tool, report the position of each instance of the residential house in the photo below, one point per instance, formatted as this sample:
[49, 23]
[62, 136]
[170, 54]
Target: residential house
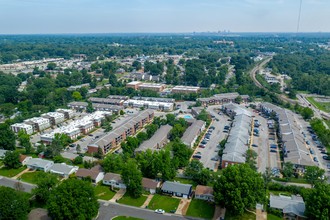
[24, 159]
[114, 180]
[63, 170]
[292, 207]
[204, 193]
[177, 189]
[150, 185]
[39, 164]
[96, 174]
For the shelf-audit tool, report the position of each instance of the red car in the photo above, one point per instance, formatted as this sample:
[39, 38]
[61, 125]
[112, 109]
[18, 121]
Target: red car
[202, 146]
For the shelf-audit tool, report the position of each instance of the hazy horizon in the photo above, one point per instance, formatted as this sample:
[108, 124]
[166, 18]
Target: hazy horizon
[157, 16]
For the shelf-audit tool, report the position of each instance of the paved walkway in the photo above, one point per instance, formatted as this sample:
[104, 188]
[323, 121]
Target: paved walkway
[219, 212]
[118, 195]
[21, 173]
[147, 201]
[261, 215]
[183, 207]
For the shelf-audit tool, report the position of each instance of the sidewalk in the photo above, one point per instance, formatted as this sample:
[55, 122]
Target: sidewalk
[147, 201]
[21, 173]
[118, 195]
[219, 213]
[183, 207]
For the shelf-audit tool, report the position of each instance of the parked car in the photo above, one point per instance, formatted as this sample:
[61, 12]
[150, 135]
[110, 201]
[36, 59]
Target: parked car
[204, 142]
[326, 157]
[273, 146]
[197, 156]
[202, 146]
[199, 153]
[315, 159]
[212, 127]
[254, 145]
[307, 142]
[159, 211]
[214, 158]
[273, 150]
[311, 151]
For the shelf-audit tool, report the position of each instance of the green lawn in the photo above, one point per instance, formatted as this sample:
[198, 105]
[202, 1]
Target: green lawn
[273, 217]
[126, 218]
[30, 177]
[293, 180]
[327, 122]
[163, 202]
[245, 216]
[324, 106]
[104, 192]
[201, 209]
[127, 200]
[11, 172]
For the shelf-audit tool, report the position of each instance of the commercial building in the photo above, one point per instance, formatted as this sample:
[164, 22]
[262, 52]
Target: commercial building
[157, 141]
[193, 131]
[154, 99]
[54, 117]
[28, 129]
[159, 106]
[293, 142]
[220, 99]
[239, 135]
[38, 123]
[152, 86]
[185, 89]
[118, 135]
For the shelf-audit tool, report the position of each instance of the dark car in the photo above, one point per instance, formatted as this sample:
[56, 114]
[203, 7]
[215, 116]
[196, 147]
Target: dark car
[326, 157]
[202, 146]
[254, 145]
[272, 150]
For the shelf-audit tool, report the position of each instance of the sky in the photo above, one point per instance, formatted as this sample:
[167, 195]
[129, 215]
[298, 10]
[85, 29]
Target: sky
[162, 16]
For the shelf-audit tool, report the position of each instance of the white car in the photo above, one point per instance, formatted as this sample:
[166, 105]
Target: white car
[159, 211]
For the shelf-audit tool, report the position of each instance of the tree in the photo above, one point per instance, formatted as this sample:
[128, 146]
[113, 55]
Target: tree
[24, 140]
[7, 137]
[45, 183]
[78, 148]
[239, 187]
[89, 108]
[113, 163]
[76, 96]
[251, 157]
[203, 115]
[11, 160]
[314, 175]
[176, 132]
[73, 199]
[181, 154]
[318, 202]
[132, 178]
[13, 204]
[41, 148]
[307, 113]
[238, 99]
[108, 127]
[267, 175]
[51, 66]
[288, 170]
[78, 160]
[121, 112]
[57, 145]
[194, 168]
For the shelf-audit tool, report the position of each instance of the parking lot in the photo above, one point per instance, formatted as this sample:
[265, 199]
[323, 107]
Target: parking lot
[209, 154]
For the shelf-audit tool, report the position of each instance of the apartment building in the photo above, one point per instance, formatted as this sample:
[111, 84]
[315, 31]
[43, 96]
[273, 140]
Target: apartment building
[158, 106]
[28, 129]
[220, 99]
[54, 117]
[185, 89]
[38, 123]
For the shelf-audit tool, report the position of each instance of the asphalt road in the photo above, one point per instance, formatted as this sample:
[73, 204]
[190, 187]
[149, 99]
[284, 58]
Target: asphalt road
[7, 182]
[109, 210]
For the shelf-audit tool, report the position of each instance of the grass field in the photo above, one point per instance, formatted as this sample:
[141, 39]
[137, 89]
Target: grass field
[30, 177]
[273, 217]
[245, 216]
[11, 172]
[126, 218]
[103, 192]
[324, 106]
[201, 209]
[163, 202]
[127, 200]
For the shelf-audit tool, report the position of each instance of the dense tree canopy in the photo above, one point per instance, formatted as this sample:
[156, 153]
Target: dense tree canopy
[73, 199]
[318, 202]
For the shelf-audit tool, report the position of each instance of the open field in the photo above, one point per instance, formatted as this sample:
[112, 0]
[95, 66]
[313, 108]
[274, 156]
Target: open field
[201, 209]
[104, 192]
[10, 172]
[30, 177]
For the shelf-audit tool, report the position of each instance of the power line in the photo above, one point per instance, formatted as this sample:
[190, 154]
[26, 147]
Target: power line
[299, 16]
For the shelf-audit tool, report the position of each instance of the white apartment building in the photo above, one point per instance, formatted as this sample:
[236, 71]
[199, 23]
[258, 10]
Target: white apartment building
[28, 129]
[38, 123]
[54, 117]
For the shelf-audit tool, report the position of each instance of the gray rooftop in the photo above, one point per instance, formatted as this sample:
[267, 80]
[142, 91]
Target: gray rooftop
[293, 204]
[192, 131]
[38, 162]
[61, 168]
[177, 187]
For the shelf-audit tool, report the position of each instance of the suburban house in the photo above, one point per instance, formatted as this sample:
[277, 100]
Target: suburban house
[96, 174]
[292, 207]
[150, 185]
[24, 159]
[39, 164]
[177, 189]
[63, 170]
[204, 193]
[114, 180]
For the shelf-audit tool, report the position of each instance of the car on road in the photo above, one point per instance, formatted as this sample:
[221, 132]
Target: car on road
[254, 145]
[91, 135]
[159, 211]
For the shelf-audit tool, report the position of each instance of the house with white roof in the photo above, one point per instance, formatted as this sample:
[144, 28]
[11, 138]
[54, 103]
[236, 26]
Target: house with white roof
[63, 170]
[39, 164]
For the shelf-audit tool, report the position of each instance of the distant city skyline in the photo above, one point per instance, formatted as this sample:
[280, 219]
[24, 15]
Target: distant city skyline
[161, 16]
